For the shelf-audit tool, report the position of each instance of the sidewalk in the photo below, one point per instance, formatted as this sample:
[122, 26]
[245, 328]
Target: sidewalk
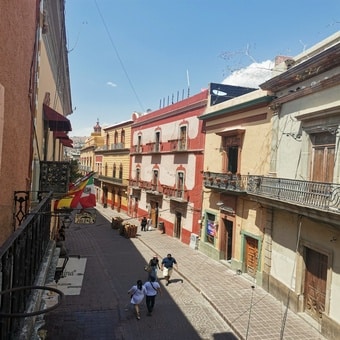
[249, 310]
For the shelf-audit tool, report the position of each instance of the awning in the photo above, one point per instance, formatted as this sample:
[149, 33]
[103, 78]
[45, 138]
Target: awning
[67, 142]
[56, 121]
[61, 135]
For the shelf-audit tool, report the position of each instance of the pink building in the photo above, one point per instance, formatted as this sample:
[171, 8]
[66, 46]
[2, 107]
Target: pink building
[166, 164]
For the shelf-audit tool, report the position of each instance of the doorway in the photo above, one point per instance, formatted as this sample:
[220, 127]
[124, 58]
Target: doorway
[315, 283]
[228, 240]
[178, 223]
[251, 260]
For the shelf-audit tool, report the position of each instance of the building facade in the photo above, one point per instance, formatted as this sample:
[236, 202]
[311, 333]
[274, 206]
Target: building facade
[166, 160]
[302, 196]
[115, 165]
[238, 134]
[31, 88]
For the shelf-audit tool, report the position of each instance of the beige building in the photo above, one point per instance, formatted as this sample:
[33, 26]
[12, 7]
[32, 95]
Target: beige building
[302, 196]
[238, 135]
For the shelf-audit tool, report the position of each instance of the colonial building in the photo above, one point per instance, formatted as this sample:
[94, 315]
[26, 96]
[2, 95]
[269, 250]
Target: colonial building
[89, 160]
[114, 157]
[35, 99]
[238, 134]
[302, 194]
[166, 160]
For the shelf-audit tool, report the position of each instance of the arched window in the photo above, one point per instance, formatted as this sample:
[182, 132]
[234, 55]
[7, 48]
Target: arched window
[121, 171]
[122, 138]
[114, 171]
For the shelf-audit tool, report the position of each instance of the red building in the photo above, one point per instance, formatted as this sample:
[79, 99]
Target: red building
[166, 164]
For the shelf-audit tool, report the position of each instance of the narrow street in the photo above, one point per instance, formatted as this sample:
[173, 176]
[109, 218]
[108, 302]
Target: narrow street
[113, 265]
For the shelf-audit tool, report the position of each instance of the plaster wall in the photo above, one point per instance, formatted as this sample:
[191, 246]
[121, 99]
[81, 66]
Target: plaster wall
[169, 130]
[17, 35]
[287, 257]
[293, 155]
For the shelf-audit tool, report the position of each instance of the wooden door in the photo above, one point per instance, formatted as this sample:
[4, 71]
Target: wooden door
[251, 255]
[323, 157]
[315, 283]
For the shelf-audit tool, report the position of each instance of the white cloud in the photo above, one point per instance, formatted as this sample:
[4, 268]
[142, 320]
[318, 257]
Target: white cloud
[110, 83]
[252, 75]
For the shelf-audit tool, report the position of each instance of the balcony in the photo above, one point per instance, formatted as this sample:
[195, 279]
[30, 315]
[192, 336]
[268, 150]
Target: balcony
[117, 146]
[136, 149]
[317, 195]
[22, 257]
[225, 182]
[176, 194]
[178, 145]
[153, 148]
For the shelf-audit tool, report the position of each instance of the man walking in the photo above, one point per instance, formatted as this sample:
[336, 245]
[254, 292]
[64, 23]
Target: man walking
[152, 288]
[143, 223]
[167, 267]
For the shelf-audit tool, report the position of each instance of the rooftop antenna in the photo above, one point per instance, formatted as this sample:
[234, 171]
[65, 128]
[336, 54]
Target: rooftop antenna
[188, 81]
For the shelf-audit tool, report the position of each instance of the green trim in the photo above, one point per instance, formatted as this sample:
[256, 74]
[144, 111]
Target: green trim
[237, 107]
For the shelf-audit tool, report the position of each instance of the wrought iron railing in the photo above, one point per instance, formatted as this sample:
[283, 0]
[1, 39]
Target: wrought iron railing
[324, 196]
[20, 259]
[318, 195]
[225, 181]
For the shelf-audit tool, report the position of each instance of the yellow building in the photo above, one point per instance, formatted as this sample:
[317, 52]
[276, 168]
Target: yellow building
[238, 135]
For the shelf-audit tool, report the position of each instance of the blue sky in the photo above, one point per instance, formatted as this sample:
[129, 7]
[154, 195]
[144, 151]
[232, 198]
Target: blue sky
[132, 55]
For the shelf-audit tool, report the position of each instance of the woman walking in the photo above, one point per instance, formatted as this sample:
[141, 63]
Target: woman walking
[137, 293]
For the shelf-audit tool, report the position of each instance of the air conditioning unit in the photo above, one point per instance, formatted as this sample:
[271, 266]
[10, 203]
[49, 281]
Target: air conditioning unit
[194, 239]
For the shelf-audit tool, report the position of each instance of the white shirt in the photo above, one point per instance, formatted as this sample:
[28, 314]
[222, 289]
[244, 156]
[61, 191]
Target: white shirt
[151, 291]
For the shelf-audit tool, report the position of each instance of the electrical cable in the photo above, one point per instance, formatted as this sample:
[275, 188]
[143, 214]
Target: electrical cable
[119, 58]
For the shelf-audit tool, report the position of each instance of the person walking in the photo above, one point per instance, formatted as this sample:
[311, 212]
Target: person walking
[167, 267]
[137, 293]
[143, 224]
[152, 289]
[154, 265]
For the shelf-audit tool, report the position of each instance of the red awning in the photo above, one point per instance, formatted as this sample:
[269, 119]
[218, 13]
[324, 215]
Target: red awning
[56, 121]
[61, 135]
[67, 142]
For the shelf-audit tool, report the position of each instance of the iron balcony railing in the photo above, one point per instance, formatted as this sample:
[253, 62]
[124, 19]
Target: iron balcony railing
[224, 181]
[21, 257]
[318, 195]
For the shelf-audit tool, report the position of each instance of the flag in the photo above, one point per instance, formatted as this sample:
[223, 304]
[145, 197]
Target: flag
[81, 195]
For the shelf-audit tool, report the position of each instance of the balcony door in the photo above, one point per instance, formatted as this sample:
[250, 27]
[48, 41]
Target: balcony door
[323, 157]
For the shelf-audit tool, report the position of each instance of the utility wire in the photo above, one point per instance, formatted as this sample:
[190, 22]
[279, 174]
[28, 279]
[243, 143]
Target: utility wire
[118, 56]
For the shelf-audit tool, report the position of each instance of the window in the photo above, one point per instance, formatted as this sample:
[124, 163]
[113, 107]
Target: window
[155, 180]
[122, 138]
[137, 175]
[114, 170]
[107, 140]
[323, 156]
[157, 141]
[121, 171]
[139, 143]
[232, 148]
[180, 184]
[210, 228]
[105, 174]
[116, 137]
[182, 144]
